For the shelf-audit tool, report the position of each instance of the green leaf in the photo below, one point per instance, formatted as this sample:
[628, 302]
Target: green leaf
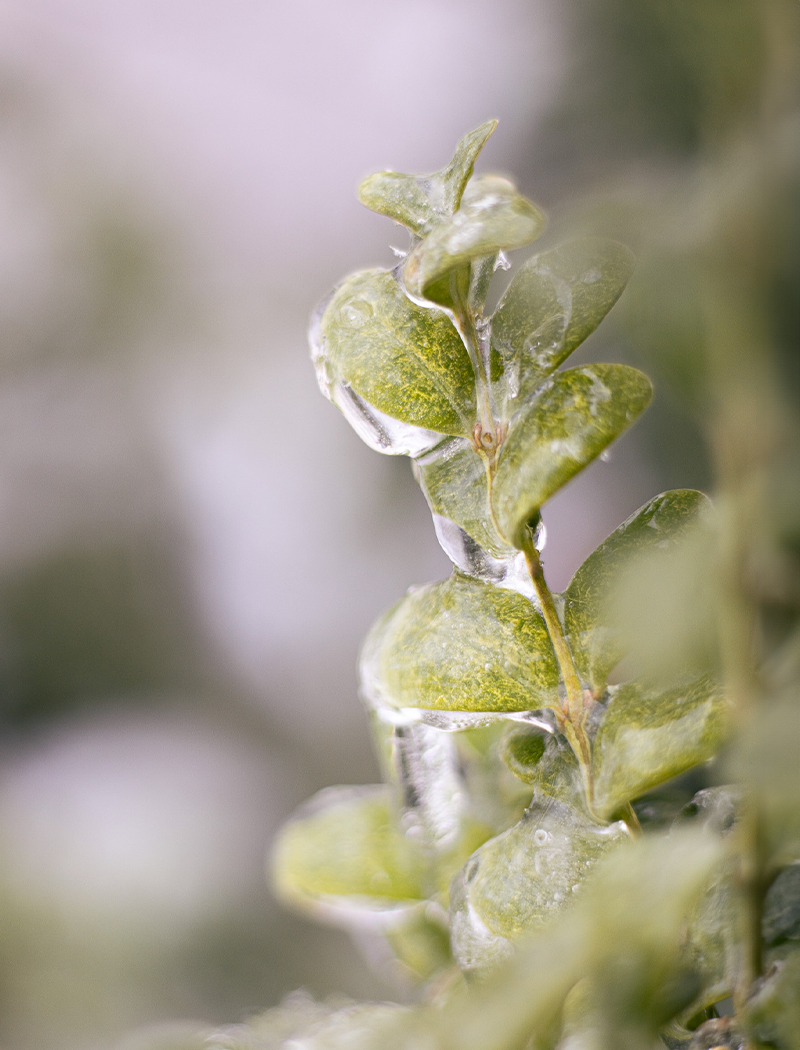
[574, 417]
[420, 201]
[624, 934]
[555, 301]
[453, 478]
[461, 645]
[421, 942]
[589, 615]
[517, 881]
[546, 761]
[493, 217]
[344, 847]
[408, 362]
[648, 736]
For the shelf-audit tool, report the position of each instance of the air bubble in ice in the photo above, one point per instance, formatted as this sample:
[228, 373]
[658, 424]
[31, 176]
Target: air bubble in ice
[590, 277]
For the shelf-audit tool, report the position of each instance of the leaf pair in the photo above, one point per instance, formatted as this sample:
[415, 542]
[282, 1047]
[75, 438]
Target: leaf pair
[464, 645]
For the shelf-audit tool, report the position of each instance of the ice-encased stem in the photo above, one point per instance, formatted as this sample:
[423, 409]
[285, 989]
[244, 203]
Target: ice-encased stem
[486, 432]
[572, 716]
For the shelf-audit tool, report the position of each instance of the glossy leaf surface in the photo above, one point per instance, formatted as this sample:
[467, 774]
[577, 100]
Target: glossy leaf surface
[461, 645]
[554, 302]
[648, 736]
[420, 201]
[493, 217]
[574, 417]
[344, 844]
[408, 362]
[517, 881]
[588, 613]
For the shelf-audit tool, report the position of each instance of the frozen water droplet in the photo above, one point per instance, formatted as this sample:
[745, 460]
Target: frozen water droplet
[400, 253]
[605, 455]
[590, 277]
[355, 313]
[473, 560]
[540, 836]
[487, 667]
[540, 536]
[502, 262]
[379, 431]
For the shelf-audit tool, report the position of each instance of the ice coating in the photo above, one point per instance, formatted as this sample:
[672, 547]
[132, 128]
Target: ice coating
[433, 798]
[473, 560]
[516, 881]
[381, 432]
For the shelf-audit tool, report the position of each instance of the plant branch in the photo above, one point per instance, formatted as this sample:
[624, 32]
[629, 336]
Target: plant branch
[573, 712]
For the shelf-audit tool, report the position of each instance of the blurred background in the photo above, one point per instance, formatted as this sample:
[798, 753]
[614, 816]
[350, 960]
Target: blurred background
[192, 541]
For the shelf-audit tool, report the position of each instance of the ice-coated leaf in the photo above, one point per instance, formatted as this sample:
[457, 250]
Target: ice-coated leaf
[460, 645]
[545, 761]
[588, 616]
[493, 217]
[555, 301]
[574, 417]
[343, 846]
[420, 201]
[421, 941]
[518, 880]
[649, 735]
[406, 361]
[453, 478]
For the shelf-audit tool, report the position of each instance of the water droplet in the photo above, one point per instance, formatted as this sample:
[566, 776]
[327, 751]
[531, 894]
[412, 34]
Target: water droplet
[605, 455]
[487, 667]
[356, 312]
[590, 277]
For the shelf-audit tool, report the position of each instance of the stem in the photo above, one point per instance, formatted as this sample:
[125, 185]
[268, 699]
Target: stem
[486, 433]
[573, 713]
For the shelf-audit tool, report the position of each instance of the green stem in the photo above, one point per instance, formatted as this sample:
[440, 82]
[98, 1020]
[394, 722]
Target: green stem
[486, 435]
[573, 713]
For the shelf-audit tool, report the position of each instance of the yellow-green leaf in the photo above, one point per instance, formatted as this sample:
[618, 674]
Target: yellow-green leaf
[589, 616]
[569, 422]
[406, 361]
[554, 302]
[461, 645]
[344, 847]
[493, 217]
[420, 201]
[650, 734]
